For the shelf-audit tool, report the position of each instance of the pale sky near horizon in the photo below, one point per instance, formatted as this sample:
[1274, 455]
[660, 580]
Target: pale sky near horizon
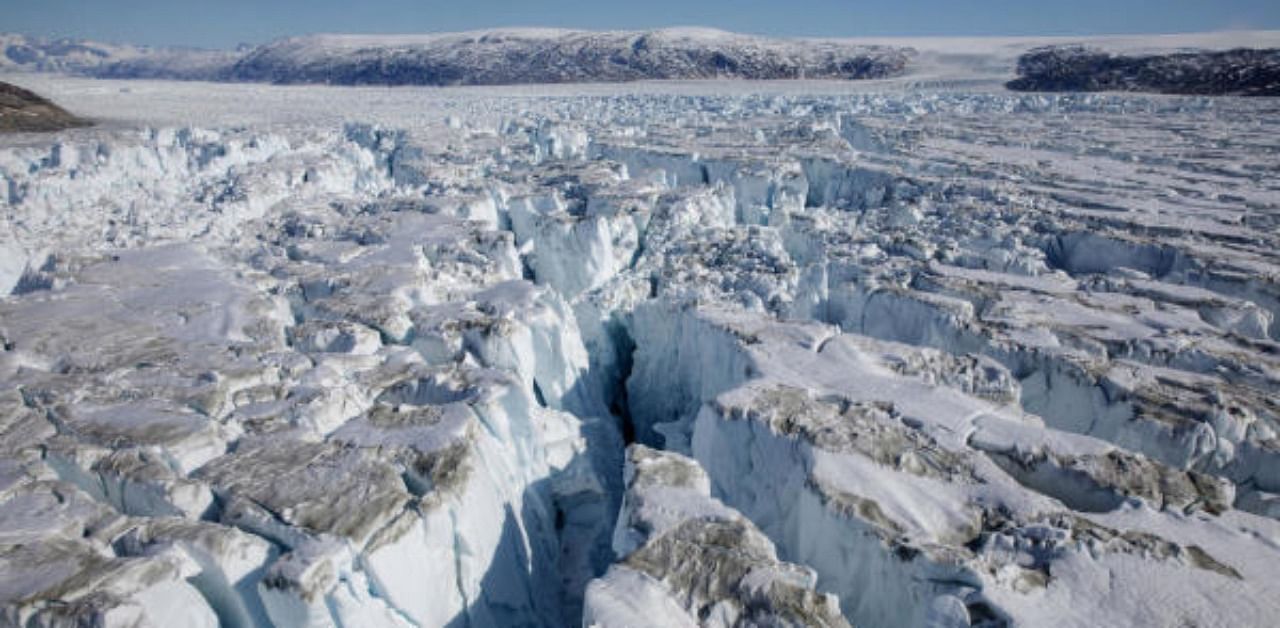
[225, 23]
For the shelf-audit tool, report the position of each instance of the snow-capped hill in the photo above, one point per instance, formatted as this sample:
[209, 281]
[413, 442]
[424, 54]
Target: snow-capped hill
[1241, 71]
[90, 58]
[512, 56]
[550, 55]
[30, 53]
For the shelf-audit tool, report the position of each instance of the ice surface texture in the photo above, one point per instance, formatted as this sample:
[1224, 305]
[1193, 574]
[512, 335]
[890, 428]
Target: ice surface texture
[640, 356]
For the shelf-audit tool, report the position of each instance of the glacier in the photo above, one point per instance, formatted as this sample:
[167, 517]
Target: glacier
[713, 353]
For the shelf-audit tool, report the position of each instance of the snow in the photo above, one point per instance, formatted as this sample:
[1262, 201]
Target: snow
[929, 61]
[634, 354]
[515, 56]
[668, 501]
[630, 598]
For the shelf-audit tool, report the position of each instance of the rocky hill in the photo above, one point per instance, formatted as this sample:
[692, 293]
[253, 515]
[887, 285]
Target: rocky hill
[1242, 72]
[559, 56]
[22, 110]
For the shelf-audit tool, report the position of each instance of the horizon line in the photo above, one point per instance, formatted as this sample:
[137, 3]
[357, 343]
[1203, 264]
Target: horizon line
[953, 37]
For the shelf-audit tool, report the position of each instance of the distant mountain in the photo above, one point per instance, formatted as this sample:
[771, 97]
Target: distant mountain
[560, 56]
[1202, 63]
[90, 58]
[1242, 72]
[22, 110]
[496, 57]
[30, 53]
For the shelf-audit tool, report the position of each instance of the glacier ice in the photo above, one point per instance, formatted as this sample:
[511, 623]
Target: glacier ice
[697, 355]
[684, 555]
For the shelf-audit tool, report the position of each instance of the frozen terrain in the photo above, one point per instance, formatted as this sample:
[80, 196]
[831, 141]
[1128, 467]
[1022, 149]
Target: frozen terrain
[715, 353]
[1229, 62]
[91, 58]
[490, 57]
[503, 57]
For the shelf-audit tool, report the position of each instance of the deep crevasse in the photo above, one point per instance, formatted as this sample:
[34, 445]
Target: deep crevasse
[376, 351]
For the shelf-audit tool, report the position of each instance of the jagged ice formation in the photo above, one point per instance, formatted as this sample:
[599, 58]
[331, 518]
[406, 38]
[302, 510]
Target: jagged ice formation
[777, 358]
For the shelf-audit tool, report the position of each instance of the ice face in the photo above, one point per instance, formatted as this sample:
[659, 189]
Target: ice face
[683, 554]
[644, 355]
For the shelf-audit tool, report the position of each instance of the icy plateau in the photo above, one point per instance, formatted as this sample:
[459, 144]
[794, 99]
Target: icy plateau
[707, 355]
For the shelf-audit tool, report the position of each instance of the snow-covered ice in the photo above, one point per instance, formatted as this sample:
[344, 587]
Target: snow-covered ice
[699, 354]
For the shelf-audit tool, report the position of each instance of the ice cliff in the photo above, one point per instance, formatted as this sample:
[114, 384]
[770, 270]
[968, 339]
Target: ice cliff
[952, 359]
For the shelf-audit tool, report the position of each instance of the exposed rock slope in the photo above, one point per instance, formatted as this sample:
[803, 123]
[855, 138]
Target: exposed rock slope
[1241, 72]
[23, 110]
[551, 56]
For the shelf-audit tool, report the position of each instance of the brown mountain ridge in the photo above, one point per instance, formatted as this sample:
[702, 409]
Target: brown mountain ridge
[22, 110]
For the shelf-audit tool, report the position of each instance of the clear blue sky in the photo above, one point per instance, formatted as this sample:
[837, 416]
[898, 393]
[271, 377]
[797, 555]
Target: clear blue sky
[224, 23]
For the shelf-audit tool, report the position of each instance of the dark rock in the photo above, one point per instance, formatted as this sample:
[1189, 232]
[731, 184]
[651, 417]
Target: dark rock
[22, 110]
[1239, 72]
[519, 57]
